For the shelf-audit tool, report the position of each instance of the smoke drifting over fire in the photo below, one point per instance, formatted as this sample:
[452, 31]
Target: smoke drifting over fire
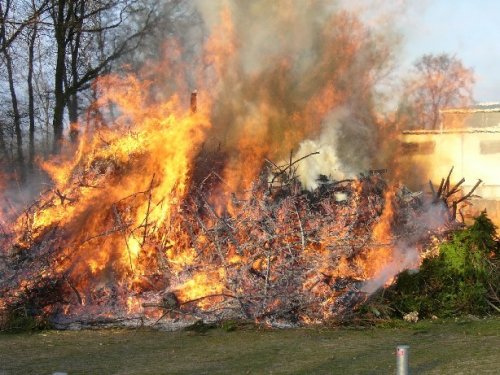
[287, 67]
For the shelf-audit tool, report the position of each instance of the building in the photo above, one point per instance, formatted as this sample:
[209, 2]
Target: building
[468, 140]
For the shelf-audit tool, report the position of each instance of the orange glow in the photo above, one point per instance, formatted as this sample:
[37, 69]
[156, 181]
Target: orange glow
[134, 305]
[382, 253]
[181, 259]
[201, 285]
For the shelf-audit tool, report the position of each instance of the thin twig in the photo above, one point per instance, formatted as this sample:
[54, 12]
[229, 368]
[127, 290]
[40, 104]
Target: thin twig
[447, 183]
[455, 188]
[302, 237]
[120, 223]
[289, 166]
[469, 194]
[73, 288]
[492, 305]
[147, 211]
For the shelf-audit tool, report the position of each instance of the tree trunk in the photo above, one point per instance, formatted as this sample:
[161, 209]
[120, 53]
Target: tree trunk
[3, 147]
[15, 106]
[78, 15]
[59, 94]
[31, 97]
[17, 116]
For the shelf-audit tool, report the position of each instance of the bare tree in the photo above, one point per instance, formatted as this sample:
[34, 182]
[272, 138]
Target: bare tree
[32, 38]
[437, 82]
[6, 41]
[19, 23]
[81, 29]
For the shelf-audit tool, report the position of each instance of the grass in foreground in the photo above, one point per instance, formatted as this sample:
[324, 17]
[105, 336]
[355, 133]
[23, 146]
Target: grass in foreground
[451, 347]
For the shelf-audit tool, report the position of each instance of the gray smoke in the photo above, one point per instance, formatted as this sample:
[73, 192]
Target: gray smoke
[282, 73]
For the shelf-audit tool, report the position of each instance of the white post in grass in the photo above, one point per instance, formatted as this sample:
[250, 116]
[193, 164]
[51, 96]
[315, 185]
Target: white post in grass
[402, 352]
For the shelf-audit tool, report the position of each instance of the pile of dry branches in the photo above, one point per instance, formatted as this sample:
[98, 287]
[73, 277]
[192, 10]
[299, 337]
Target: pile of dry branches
[281, 254]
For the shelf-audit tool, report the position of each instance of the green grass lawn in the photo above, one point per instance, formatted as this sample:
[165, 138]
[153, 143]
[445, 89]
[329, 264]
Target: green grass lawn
[452, 347]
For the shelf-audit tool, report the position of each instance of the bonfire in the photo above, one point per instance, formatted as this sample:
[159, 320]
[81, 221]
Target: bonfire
[150, 220]
[108, 247]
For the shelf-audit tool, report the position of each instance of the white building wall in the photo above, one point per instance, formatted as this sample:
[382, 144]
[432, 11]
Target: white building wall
[474, 154]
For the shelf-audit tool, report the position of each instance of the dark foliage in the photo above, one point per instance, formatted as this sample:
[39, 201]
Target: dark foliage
[462, 279]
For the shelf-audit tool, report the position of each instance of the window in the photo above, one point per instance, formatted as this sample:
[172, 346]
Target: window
[419, 148]
[489, 147]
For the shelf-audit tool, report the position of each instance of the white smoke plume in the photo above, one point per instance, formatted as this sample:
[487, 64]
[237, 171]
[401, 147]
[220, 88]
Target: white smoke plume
[405, 257]
[327, 163]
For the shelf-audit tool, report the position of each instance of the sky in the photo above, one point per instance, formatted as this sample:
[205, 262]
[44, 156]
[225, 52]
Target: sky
[468, 29]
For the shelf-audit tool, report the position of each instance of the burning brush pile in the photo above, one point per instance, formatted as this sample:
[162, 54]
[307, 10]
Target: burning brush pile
[171, 211]
[90, 252]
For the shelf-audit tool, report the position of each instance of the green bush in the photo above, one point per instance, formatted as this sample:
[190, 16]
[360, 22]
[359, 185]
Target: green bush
[462, 279]
[19, 320]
